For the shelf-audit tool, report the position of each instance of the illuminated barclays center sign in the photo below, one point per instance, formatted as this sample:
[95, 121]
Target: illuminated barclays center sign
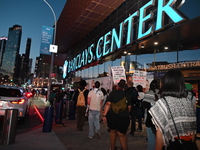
[112, 40]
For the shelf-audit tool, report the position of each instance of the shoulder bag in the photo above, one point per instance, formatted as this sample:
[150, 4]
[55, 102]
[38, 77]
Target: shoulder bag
[180, 144]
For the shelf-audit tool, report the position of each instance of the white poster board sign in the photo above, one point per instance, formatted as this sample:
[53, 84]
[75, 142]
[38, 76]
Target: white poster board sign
[118, 73]
[104, 81]
[139, 78]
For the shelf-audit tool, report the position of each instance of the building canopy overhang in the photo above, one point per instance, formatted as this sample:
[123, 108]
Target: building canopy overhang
[78, 18]
[77, 21]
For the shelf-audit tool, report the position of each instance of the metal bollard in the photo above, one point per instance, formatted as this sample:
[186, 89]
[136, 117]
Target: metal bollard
[9, 126]
[48, 119]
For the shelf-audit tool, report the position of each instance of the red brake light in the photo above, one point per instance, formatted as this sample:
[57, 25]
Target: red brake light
[28, 94]
[21, 101]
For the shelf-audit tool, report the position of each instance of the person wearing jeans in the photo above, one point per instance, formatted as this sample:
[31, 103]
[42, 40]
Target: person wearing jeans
[95, 102]
[94, 125]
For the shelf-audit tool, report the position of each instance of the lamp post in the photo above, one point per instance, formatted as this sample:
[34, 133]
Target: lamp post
[48, 117]
[52, 54]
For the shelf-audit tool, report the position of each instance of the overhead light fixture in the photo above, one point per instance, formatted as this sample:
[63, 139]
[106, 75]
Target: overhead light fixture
[129, 53]
[142, 46]
[166, 47]
[155, 43]
[125, 52]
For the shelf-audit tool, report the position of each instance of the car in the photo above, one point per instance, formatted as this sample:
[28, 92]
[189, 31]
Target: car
[12, 97]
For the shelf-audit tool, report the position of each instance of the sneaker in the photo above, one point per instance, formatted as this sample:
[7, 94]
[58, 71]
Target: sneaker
[90, 137]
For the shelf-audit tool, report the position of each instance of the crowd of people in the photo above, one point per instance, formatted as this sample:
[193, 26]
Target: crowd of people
[166, 107]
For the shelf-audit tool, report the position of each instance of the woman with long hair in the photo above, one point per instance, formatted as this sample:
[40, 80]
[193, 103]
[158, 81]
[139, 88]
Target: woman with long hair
[173, 114]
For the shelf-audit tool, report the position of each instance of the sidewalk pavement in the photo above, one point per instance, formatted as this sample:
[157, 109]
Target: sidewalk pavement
[66, 137]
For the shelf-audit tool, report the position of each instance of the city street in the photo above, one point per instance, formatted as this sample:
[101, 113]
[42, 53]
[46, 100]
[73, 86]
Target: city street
[64, 135]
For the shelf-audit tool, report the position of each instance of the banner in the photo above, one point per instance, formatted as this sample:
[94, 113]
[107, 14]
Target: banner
[118, 73]
[47, 37]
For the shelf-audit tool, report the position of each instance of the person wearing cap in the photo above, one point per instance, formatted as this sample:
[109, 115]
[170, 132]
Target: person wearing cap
[118, 120]
[190, 94]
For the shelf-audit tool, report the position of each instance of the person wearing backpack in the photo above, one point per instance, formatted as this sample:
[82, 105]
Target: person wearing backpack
[95, 102]
[80, 100]
[133, 93]
[116, 114]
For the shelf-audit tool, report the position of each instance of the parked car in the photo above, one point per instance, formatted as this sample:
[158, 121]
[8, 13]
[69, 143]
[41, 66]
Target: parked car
[12, 97]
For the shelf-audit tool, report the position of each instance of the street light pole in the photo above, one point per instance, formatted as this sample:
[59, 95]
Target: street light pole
[52, 54]
[47, 126]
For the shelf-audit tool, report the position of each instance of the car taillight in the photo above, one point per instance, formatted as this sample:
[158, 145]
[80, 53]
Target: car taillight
[28, 94]
[21, 101]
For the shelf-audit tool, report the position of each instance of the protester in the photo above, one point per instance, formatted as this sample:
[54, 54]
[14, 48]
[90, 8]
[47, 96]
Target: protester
[95, 103]
[33, 91]
[59, 96]
[105, 95]
[43, 92]
[116, 113]
[133, 93]
[190, 94]
[37, 93]
[173, 114]
[52, 97]
[80, 108]
[139, 108]
[149, 100]
[59, 105]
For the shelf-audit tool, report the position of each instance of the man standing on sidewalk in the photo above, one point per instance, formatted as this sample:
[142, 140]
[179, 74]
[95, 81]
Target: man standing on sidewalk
[95, 102]
[80, 106]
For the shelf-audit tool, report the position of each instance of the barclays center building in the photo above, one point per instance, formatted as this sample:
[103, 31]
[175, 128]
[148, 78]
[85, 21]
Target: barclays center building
[150, 35]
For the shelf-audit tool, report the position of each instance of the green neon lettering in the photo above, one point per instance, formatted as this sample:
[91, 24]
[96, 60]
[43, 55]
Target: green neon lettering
[90, 53]
[98, 48]
[86, 56]
[65, 66]
[169, 10]
[106, 43]
[143, 18]
[117, 39]
[129, 20]
[82, 59]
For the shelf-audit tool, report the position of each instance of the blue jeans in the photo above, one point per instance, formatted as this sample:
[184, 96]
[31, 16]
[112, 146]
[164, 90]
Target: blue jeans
[151, 137]
[94, 123]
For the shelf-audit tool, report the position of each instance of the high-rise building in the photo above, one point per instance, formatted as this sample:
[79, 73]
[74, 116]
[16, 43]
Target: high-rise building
[10, 66]
[30, 64]
[42, 72]
[2, 48]
[41, 67]
[25, 67]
